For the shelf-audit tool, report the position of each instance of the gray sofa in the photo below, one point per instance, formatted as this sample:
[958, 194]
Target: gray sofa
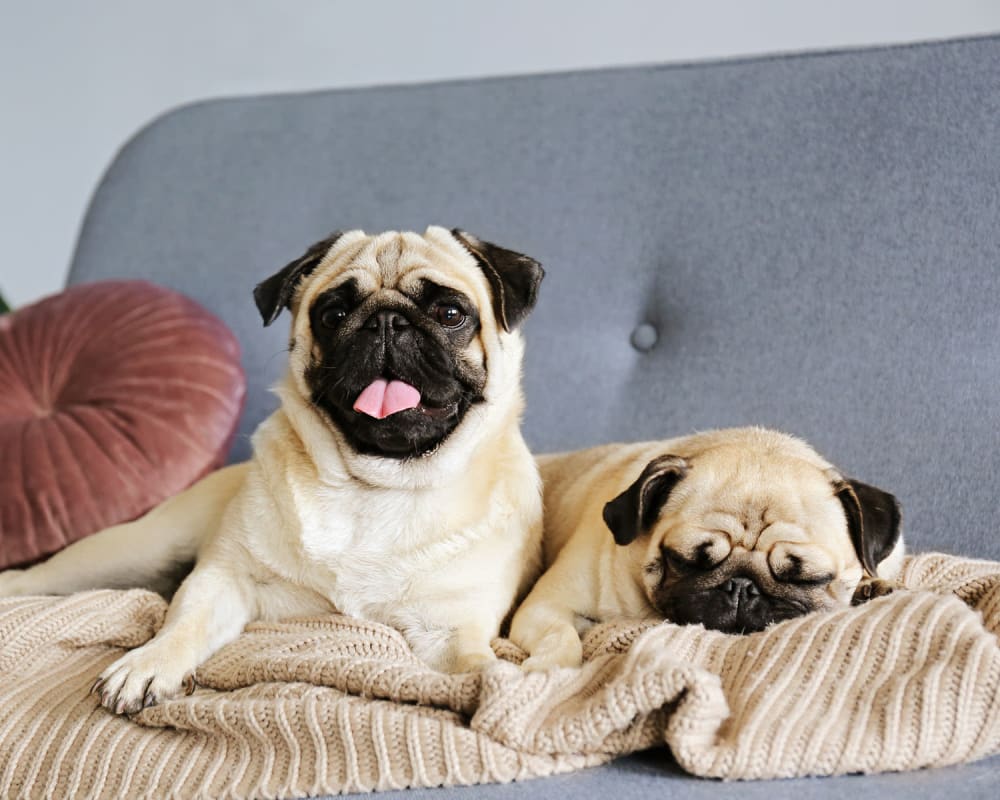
[806, 242]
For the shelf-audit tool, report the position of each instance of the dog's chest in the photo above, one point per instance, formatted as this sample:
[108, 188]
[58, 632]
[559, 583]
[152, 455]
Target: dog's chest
[363, 551]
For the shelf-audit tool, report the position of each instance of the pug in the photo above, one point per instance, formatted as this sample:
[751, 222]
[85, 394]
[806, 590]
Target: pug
[391, 484]
[732, 529]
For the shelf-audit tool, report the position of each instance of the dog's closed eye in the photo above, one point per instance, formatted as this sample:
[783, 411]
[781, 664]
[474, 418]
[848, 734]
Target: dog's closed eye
[703, 559]
[791, 564]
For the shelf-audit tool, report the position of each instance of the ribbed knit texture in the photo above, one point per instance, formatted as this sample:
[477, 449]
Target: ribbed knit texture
[335, 705]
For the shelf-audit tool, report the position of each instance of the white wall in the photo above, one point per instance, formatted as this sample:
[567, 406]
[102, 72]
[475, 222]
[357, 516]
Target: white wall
[78, 78]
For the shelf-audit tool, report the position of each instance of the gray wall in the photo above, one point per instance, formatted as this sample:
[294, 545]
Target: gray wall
[78, 78]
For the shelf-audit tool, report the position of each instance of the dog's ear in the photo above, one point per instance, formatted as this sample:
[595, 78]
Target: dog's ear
[635, 510]
[514, 278]
[276, 292]
[873, 521]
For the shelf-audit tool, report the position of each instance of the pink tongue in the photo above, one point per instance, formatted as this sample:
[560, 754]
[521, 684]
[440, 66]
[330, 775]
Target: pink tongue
[382, 398]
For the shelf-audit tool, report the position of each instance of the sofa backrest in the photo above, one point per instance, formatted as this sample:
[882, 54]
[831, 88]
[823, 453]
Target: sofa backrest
[812, 242]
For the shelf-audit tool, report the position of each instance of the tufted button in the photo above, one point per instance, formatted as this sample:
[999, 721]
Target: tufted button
[644, 337]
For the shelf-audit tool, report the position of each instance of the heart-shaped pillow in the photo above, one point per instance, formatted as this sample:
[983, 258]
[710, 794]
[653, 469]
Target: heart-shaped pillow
[113, 397]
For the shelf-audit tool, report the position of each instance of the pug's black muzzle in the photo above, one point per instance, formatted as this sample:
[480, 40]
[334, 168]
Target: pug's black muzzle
[736, 605]
[393, 343]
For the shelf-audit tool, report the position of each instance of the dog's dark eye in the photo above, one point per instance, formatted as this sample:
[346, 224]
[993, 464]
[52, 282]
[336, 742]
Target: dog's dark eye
[449, 316]
[332, 317]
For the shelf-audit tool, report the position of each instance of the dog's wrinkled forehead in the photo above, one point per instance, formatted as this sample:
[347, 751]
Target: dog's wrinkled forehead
[501, 282]
[397, 261]
[751, 500]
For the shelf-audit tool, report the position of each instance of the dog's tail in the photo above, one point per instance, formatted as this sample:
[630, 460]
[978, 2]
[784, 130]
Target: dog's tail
[154, 552]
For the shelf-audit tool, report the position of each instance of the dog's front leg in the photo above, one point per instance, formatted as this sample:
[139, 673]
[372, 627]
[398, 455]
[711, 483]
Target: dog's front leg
[545, 625]
[210, 609]
[544, 628]
[470, 645]
[459, 644]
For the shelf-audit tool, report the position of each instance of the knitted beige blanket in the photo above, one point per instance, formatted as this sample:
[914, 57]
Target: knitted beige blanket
[333, 705]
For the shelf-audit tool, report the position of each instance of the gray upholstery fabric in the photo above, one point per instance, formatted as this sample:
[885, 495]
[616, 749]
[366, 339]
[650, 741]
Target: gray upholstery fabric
[814, 239]
[653, 775]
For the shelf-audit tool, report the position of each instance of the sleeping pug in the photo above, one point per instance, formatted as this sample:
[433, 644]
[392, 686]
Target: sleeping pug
[731, 529]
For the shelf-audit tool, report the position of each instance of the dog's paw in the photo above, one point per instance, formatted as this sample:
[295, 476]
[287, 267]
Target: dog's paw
[141, 678]
[871, 588]
[12, 583]
[474, 661]
[560, 648]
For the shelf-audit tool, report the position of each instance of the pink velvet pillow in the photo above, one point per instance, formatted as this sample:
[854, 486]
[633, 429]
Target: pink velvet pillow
[113, 397]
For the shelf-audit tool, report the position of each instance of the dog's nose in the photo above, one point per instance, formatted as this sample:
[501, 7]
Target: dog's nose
[386, 321]
[740, 589]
